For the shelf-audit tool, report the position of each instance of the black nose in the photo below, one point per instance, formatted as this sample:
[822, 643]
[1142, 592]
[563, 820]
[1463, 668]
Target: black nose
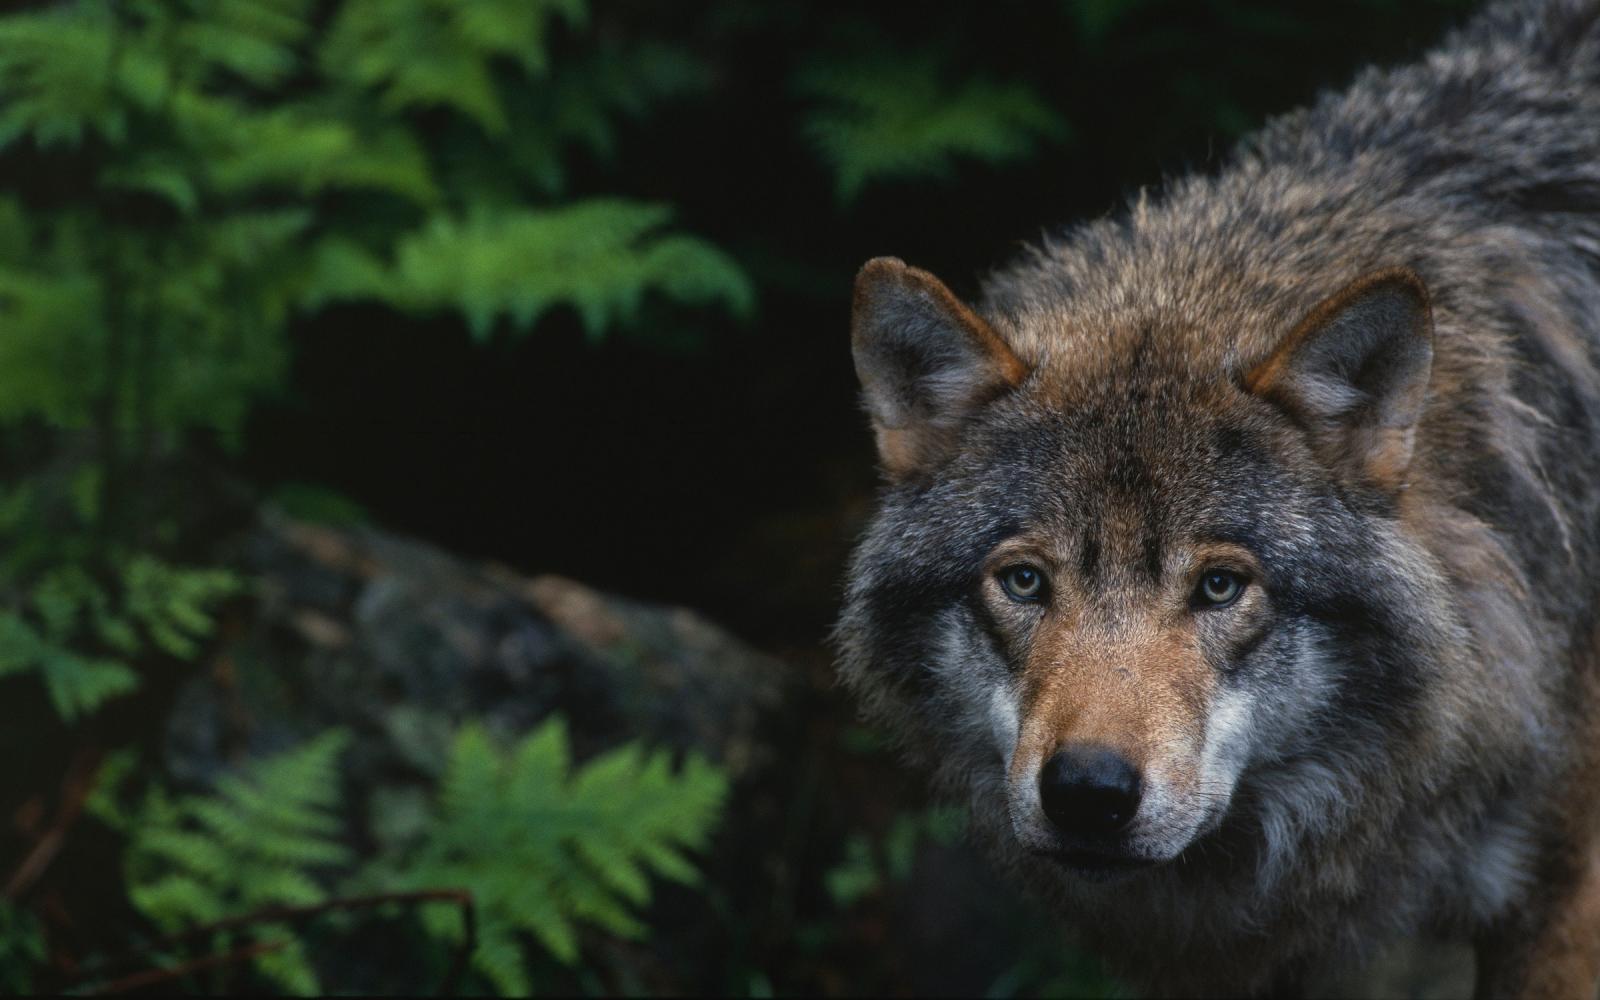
[1089, 791]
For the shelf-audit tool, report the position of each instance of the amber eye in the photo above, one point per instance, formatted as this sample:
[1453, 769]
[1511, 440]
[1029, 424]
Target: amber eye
[1219, 587]
[1022, 582]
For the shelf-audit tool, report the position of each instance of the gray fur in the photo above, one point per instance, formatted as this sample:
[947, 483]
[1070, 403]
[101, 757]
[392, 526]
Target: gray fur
[1418, 716]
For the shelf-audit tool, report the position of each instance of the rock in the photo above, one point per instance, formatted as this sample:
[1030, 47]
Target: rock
[389, 635]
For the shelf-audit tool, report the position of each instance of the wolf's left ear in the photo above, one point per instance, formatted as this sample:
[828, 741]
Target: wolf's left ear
[1354, 374]
[925, 360]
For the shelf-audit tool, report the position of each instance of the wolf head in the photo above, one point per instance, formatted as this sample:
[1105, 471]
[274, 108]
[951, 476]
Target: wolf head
[1113, 575]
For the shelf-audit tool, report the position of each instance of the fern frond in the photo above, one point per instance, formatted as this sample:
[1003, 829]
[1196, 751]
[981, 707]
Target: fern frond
[878, 118]
[544, 846]
[289, 967]
[600, 256]
[422, 53]
[580, 105]
[57, 76]
[78, 685]
[175, 900]
[261, 838]
[173, 603]
[254, 40]
[499, 957]
[52, 319]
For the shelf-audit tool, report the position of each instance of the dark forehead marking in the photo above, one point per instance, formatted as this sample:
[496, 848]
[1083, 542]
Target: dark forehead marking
[1089, 551]
[1152, 552]
[1128, 475]
[1143, 552]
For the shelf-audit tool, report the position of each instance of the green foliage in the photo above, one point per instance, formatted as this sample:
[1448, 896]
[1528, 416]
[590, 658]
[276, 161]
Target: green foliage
[1097, 18]
[544, 846]
[261, 838]
[21, 949]
[172, 603]
[598, 256]
[425, 53]
[879, 118]
[151, 604]
[233, 164]
[866, 867]
[856, 875]
[77, 684]
[320, 505]
[581, 104]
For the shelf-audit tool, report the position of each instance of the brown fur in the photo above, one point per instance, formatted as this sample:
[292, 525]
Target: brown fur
[904, 442]
[1361, 368]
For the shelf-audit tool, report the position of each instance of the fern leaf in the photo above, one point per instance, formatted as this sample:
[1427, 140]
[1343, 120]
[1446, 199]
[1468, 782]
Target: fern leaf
[199, 854]
[543, 757]
[544, 846]
[499, 958]
[261, 838]
[272, 885]
[173, 603]
[876, 119]
[614, 863]
[601, 257]
[20, 646]
[164, 179]
[56, 78]
[579, 106]
[288, 966]
[668, 863]
[607, 913]
[78, 685]
[427, 53]
[51, 323]
[542, 913]
[176, 900]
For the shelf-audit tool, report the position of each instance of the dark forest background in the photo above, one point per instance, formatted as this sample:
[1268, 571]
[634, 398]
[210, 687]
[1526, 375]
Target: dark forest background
[380, 380]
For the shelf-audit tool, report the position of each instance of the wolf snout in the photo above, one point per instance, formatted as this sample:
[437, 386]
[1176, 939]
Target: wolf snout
[1089, 793]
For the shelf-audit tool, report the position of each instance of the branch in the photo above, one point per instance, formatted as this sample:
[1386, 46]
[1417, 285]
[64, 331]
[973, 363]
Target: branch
[295, 915]
[149, 977]
[75, 788]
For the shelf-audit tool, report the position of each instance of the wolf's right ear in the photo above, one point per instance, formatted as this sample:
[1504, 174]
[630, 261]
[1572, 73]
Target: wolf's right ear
[925, 362]
[1354, 373]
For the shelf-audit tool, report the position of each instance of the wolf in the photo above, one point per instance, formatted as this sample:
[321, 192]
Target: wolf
[1238, 555]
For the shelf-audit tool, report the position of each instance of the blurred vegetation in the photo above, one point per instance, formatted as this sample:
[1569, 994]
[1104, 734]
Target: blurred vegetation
[234, 163]
[541, 844]
[195, 193]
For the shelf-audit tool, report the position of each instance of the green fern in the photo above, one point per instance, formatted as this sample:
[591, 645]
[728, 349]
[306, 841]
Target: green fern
[422, 53]
[174, 604]
[880, 118]
[261, 838]
[544, 846]
[580, 105]
[77, 684]
[58, 76]
[67, 610]
[599, 256]
[232, 164]
[253, 40]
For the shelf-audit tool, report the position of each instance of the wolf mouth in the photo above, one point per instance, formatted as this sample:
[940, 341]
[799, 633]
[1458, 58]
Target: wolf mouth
[1095, 865]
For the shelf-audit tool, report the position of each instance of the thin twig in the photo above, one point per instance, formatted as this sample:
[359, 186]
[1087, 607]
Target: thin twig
[149, 977]
[295, 915]
[75, 788]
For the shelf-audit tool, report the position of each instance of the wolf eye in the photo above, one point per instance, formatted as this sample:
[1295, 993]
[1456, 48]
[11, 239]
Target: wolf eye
[1022, 583]
[1218, 587]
